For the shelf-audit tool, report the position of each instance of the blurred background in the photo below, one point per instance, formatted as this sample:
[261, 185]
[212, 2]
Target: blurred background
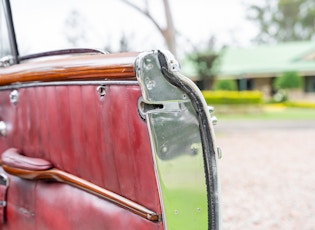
[254, 62]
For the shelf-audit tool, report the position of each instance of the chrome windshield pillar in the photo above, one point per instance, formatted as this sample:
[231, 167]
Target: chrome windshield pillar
[182, 143]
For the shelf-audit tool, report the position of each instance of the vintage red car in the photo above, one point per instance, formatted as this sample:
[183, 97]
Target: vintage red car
[92, 140]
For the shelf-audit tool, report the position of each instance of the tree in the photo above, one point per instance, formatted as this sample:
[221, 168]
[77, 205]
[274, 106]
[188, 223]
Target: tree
[285, 84]
[204, 63]
[205, 60]
[123, 43]
[75, 28]
[283, 20]
[168, 32]
[289, 80]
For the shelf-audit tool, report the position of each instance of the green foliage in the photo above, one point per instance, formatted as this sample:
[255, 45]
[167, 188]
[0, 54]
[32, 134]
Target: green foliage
[289, 80]
[283, 20]
[226, 84]
[232, 97]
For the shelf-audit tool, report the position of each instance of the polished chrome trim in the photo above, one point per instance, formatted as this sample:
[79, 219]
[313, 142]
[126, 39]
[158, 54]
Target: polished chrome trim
[158, 179]
[161, 82]
[65, 83]
[207, 133]
[6, 61]
[62, 52]
[141, 108]
[11, 31]
[152, 81]
[214, 119]
[3, 128]
[101, 90]
[4, 180]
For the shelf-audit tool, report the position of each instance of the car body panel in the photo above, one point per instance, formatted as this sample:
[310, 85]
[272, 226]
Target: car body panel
[101, 139]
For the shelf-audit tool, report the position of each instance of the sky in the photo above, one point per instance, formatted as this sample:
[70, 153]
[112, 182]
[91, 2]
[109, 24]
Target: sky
[40, 25]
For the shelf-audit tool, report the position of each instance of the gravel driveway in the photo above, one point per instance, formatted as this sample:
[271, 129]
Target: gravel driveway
[267, 174]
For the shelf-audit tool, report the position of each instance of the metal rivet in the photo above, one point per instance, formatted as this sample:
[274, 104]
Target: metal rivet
[214, 120]
[101, 90]
[211, 109]
[174, 65]
[164, 149]
[198, 209]
[176, 212]
[150, 84]
[148, 64]
[14, 97]
[3, 128]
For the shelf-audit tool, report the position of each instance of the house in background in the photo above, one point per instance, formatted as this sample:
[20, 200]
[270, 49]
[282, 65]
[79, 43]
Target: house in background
[256, 68]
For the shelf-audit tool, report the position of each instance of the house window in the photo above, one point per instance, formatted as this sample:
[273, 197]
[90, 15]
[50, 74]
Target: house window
[309, 84]
[245, 84]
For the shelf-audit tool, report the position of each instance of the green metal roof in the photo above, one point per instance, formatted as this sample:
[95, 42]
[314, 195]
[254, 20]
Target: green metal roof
[267, 59]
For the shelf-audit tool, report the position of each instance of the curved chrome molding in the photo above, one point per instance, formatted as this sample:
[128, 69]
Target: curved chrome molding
[63, 52]
[207, 134]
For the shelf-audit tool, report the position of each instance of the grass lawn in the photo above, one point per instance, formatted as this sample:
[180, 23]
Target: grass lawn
[275, 113]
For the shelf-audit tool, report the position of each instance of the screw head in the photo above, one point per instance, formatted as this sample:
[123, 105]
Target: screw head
[14, 97]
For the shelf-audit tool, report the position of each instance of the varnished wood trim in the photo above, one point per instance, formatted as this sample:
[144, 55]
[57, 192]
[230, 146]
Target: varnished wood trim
[80, 67]
[63, 177]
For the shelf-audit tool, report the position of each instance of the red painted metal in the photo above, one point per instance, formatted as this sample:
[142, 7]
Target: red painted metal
[100, 139]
